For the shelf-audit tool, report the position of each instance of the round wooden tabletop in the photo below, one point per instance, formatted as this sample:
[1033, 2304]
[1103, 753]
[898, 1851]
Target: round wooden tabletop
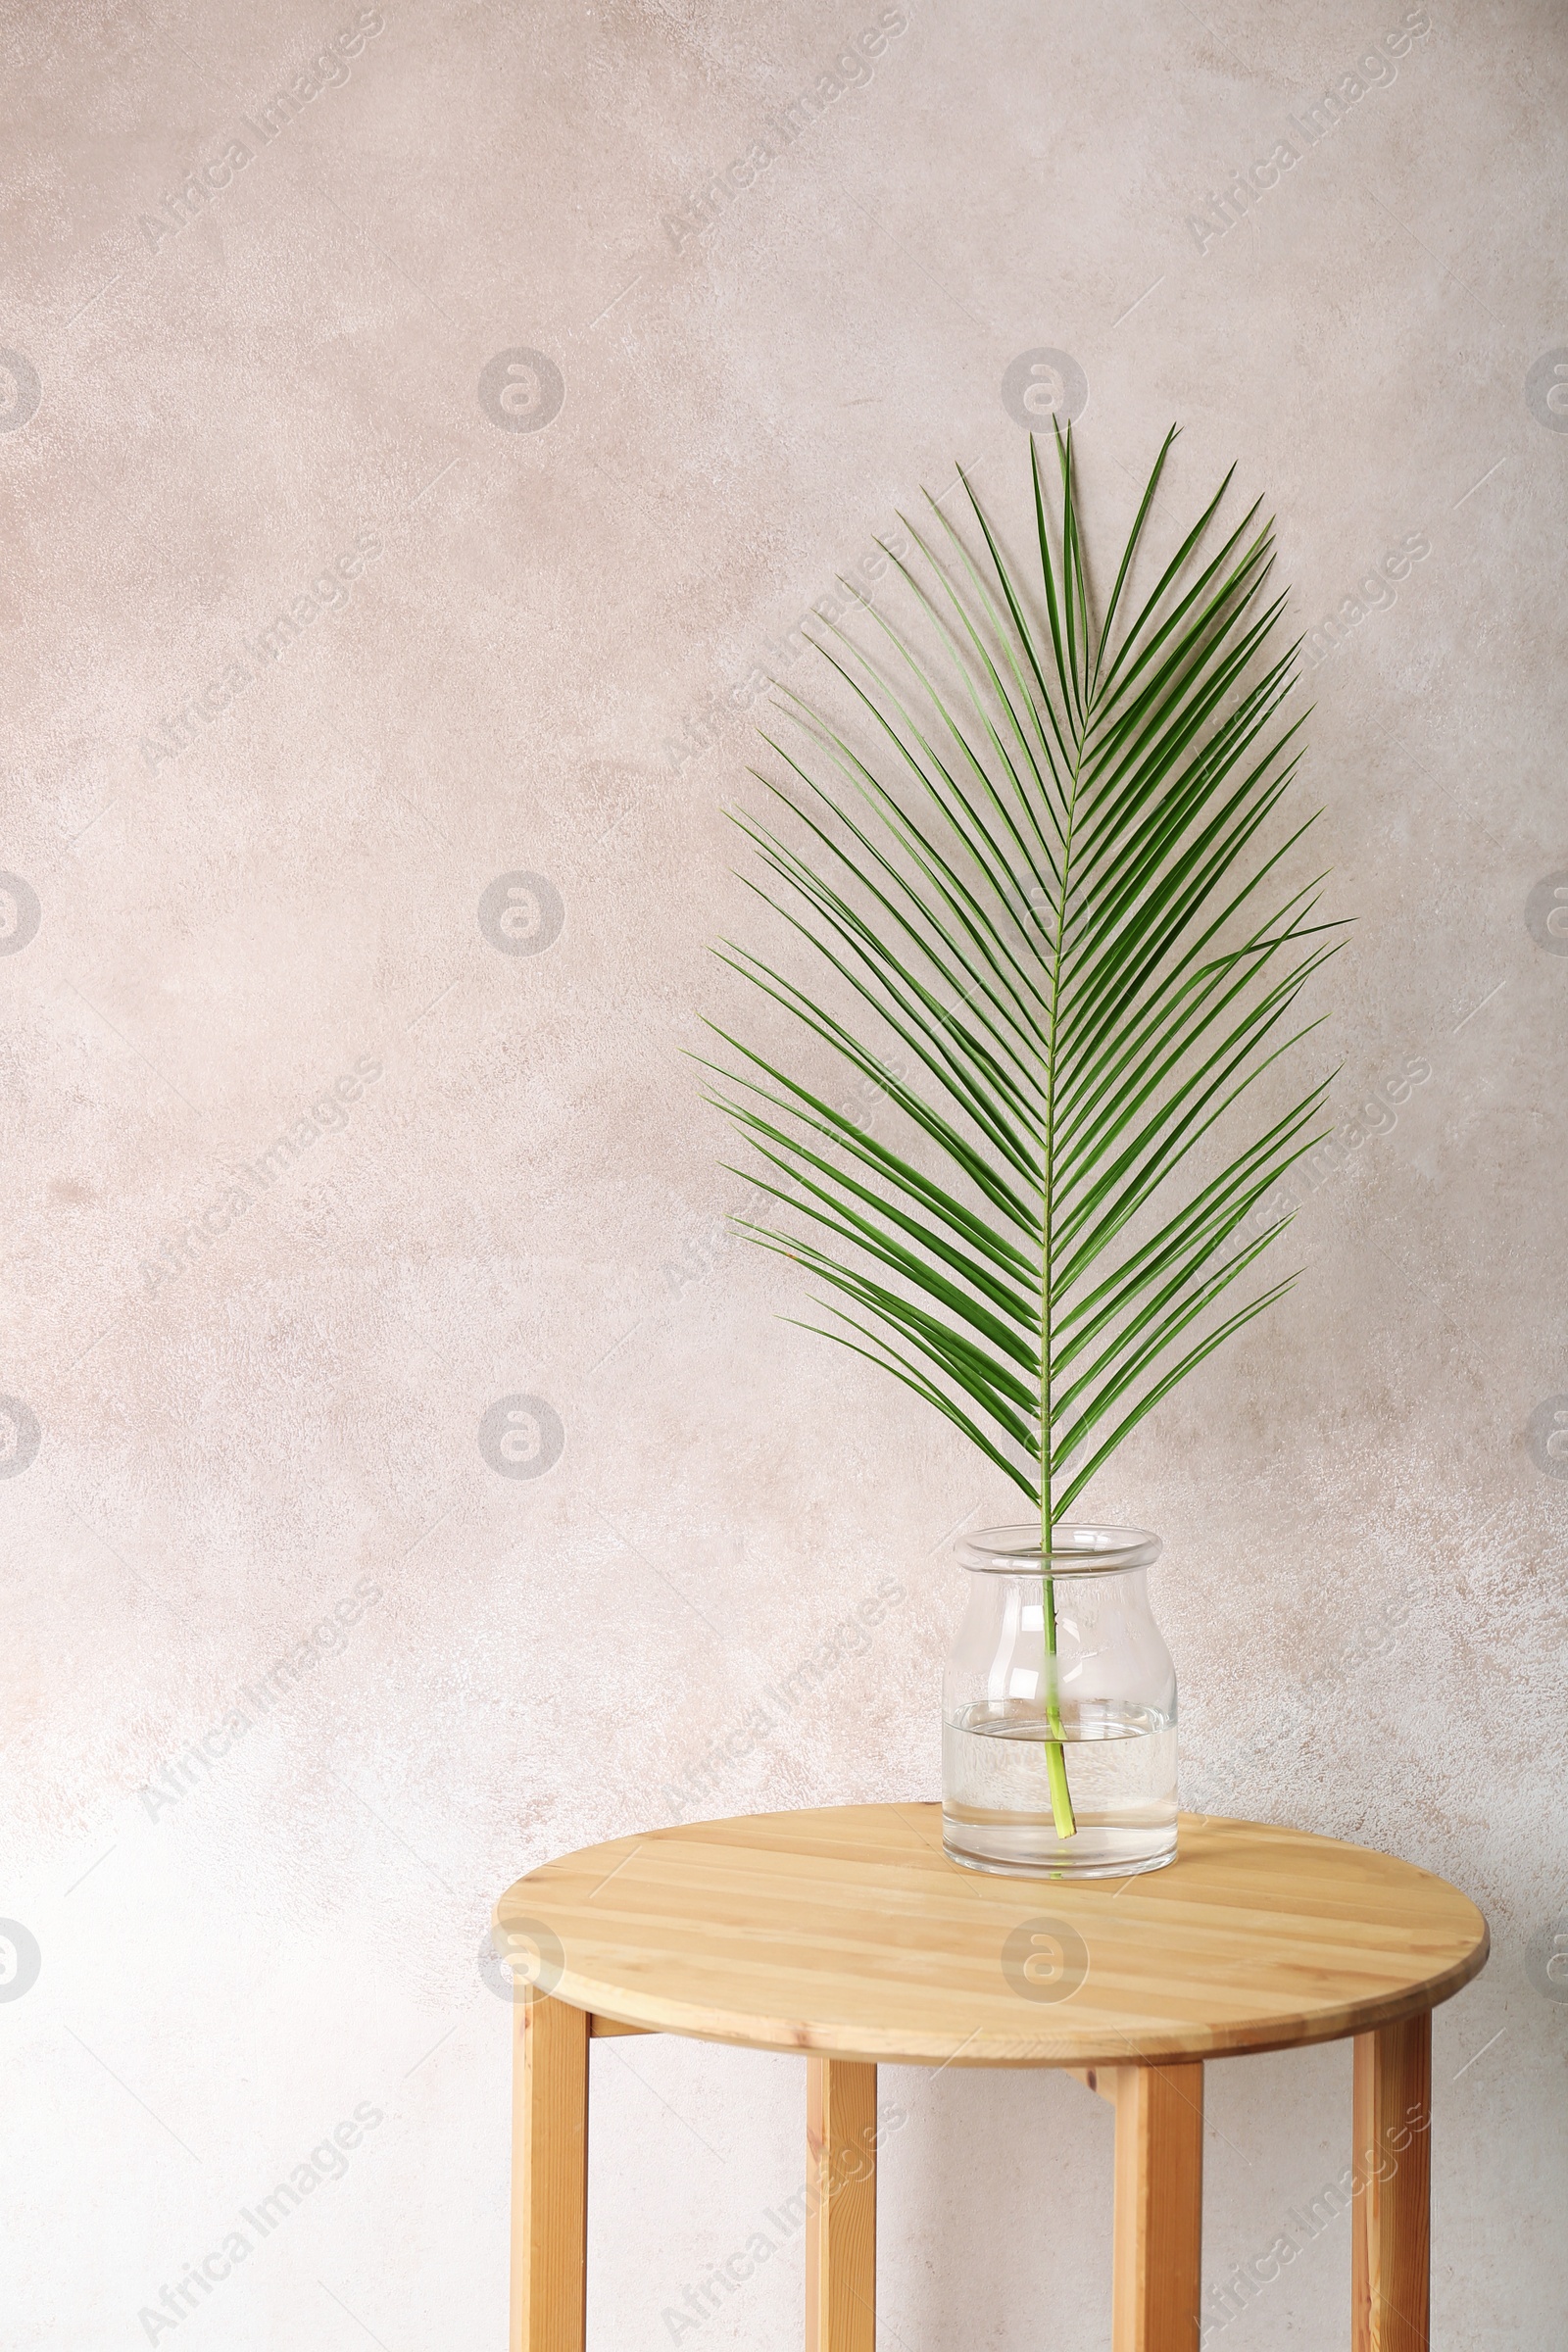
[847, 1931]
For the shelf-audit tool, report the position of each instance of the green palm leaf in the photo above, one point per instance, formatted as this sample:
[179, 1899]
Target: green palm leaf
[1027, 855]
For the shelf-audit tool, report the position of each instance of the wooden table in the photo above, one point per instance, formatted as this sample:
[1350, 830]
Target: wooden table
[847, 1935]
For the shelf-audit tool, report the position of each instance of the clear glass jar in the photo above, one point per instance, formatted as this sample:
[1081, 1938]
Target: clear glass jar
[1058, 1709]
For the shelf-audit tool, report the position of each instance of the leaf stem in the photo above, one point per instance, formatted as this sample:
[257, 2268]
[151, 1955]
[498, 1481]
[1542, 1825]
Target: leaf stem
[1062, 1813]
[1063, 1817]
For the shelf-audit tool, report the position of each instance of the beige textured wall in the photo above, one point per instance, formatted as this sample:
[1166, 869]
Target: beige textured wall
[258, 890]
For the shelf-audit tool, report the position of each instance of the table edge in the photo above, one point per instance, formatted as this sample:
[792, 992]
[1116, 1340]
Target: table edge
[804, 2041]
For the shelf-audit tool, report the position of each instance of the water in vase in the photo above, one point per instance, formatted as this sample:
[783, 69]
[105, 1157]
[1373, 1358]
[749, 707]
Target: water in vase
[1121, 1774]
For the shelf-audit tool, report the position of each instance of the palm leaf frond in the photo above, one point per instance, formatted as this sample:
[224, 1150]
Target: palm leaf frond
[1026, 854]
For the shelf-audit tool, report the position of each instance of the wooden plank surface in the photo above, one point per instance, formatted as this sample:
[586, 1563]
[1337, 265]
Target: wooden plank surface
[848, 1932]
[1157, 2239]
[549, 2178]
[841, 2207]
[1391, 2216]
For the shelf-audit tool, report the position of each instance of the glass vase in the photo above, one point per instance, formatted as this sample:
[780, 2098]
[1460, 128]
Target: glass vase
[1058, 1709]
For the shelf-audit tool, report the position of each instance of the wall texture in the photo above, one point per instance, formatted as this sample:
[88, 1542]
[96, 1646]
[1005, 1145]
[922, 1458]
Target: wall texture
[421, 428]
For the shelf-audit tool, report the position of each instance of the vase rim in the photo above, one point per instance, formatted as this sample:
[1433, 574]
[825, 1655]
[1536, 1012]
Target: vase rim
[1078, 1551]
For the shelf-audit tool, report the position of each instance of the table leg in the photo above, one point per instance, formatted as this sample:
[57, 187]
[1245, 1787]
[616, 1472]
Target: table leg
[1158, 2228]
[1392, 2215]
[841, 2206]
[549, 2178]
